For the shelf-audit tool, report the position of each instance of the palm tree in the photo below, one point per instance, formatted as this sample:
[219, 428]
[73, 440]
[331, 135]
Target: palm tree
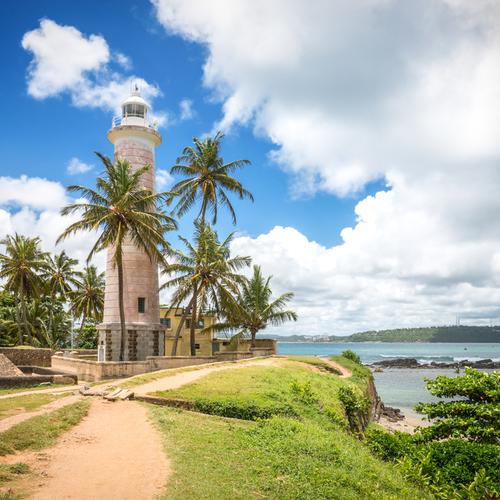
[203, 274]
[20, 267]
[252, 309]
[60, 277]
[123, 210]
[207, 178]
[87, 301]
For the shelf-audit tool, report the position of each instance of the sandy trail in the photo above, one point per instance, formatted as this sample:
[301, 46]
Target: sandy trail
[8, 422]
[115, 453]
[345, 373]
[183, 378]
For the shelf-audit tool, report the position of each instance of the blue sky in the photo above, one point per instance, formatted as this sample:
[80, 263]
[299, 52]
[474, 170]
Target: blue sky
[45, 134]
[372, 128]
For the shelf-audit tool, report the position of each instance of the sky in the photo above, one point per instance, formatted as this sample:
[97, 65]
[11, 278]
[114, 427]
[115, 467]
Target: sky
[372, 128]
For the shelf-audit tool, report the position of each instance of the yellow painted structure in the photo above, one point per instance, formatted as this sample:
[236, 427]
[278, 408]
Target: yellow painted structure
[206, 343]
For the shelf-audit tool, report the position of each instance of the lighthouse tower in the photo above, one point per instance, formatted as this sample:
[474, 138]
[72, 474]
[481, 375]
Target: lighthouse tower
[134, 138]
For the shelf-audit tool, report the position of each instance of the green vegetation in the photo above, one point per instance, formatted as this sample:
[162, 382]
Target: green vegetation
[476, 417]
[30, 402]
[10, 472]
[38, 289]
[468, 334]
[261, 391]
[16, 390]
[348, 354]
[202, 275]
[299, 446]
[458, 456]
[252, 308]
[42, 431]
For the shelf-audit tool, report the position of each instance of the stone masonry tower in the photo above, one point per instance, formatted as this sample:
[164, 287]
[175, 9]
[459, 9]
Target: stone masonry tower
[135, 140]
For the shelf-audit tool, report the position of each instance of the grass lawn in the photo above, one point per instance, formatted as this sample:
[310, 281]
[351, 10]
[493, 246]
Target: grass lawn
[217, 458]
[30, 402]
[42, 431]
[261, 391]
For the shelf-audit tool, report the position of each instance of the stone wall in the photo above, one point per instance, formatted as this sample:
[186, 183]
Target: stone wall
[27, 357]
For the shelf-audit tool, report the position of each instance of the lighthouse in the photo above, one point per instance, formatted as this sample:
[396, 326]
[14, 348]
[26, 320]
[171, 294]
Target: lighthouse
[135, 138]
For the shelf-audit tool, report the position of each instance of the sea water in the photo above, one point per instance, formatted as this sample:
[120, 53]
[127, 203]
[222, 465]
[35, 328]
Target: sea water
[400, 387]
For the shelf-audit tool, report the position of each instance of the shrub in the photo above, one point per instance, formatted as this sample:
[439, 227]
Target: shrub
[389, 446]
[476, 418]
[245, 410]
[303, 392]
[348, 354]
[355, 406]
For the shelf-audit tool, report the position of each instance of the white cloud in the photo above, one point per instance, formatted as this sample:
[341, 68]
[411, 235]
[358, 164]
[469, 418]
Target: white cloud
[32, 192]
[67, 61]
[163, 179]
[61, 57]
[351, 92]
[186, 109]
[31, 206]
[76, 166]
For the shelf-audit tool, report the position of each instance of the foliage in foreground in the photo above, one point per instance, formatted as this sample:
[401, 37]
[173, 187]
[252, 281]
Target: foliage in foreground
[9, 472]
[274, 458]
[42, 431]
[452, 469]
[476, 417]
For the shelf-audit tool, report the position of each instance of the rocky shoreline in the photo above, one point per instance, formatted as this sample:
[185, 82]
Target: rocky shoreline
[414, 363]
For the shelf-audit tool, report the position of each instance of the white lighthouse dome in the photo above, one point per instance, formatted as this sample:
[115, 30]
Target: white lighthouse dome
[134, 111]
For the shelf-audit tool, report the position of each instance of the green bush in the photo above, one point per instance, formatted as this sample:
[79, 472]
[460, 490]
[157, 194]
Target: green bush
[453, 468]
[303, 392]
[348, 354]
[245, 410]
[355, 406]
[474, 418]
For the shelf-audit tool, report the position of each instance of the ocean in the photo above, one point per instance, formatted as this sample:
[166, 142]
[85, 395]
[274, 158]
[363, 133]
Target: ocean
[400, 388]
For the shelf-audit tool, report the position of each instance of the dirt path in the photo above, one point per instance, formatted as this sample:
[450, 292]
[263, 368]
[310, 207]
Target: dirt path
[183, 378]
[115, 453]
[344, 372]
[7, 423]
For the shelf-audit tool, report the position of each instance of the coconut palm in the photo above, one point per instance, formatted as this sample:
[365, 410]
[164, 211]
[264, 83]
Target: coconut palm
[207, 178]
[122, 210]
[20, 267]
[87, 301]
[202, 274]
[252, 309]
[59, 277]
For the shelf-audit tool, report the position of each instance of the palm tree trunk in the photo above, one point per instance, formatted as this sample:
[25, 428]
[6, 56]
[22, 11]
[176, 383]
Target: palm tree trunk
[25, 321]
[253, 333]
[119, 264]
[82, 324]
[19, 325]
[179, 328]
[192, 336]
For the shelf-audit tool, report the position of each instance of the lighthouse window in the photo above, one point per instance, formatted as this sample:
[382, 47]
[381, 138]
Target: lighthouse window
[141, 304]
[134, 110]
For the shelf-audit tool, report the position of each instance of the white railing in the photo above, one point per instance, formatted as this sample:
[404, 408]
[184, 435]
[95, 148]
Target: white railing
[118, 121]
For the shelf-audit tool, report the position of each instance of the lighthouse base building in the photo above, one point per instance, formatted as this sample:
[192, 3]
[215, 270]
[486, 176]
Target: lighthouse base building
[134, 139]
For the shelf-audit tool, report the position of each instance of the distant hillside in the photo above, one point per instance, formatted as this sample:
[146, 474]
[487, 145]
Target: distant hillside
[429, 334]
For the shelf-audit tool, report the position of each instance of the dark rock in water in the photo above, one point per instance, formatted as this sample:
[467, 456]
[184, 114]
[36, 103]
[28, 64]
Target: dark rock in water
[398, 363]
[413, 363]
[391, 414]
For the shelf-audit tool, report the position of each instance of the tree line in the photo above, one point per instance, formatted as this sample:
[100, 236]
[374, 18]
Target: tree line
[204, 277]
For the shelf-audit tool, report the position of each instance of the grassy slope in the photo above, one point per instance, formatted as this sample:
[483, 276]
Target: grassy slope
[311, 456]
[30, 402]
[42, 431]
[16, 390]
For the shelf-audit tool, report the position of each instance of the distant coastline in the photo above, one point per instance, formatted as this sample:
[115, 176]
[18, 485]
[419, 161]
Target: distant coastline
[437, 334]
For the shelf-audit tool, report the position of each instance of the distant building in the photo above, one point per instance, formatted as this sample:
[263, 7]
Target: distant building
[207, 343]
